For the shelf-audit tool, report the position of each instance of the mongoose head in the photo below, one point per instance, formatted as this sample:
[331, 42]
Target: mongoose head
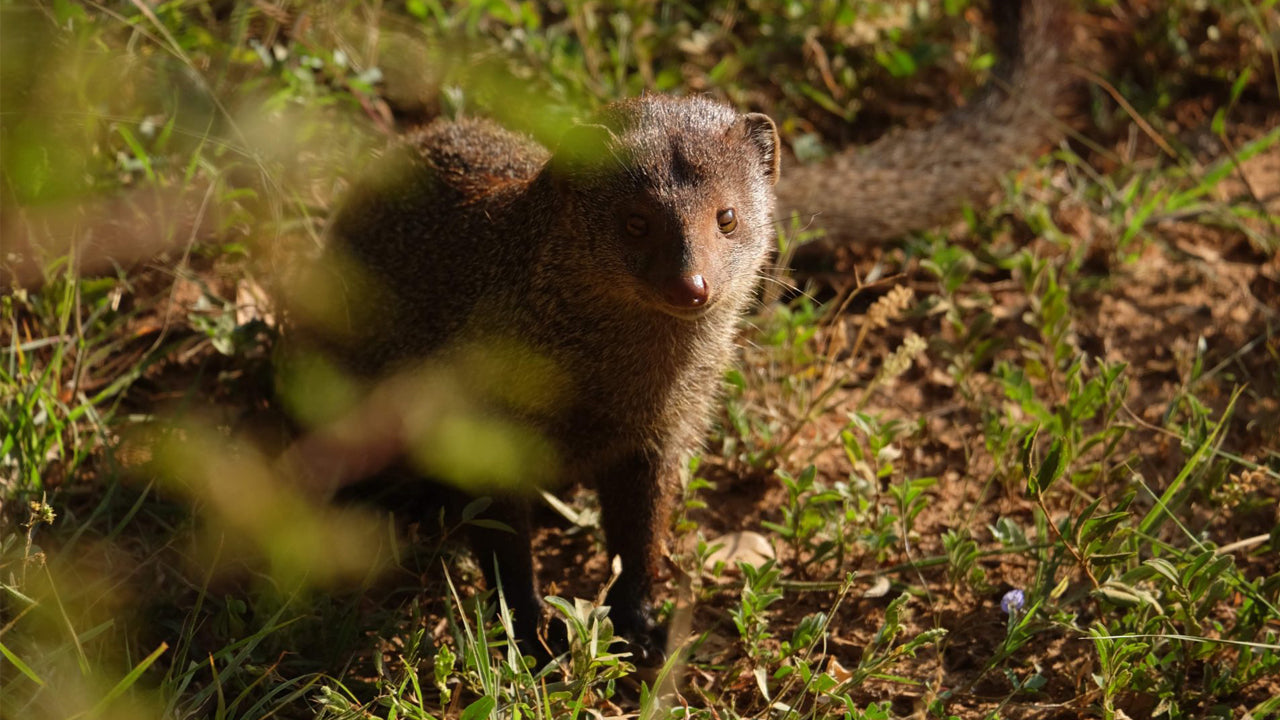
[671, 202]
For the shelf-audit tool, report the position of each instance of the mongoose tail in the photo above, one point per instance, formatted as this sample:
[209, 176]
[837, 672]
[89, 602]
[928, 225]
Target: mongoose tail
[917, 179]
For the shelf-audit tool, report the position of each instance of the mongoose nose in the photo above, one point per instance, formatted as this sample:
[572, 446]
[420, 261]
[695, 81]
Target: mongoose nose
[690, 292]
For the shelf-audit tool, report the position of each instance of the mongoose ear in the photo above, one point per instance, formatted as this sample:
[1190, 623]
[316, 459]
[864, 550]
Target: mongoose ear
[584, 146]
[764, 135]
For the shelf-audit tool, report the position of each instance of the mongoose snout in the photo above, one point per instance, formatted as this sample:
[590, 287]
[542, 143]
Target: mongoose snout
[686, 293]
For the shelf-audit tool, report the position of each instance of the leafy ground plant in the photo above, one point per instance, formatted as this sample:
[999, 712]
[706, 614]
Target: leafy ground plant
[1022, 466]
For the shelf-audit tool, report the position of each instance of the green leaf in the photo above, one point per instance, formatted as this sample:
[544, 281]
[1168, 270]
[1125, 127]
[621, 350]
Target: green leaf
[128, 680]
[480, 709]
[898, 62]
[475, 507]
[1050, 469]
[1237, 88]
[22, 667]
[492, 525]
[1155, 517]
[1165, 568]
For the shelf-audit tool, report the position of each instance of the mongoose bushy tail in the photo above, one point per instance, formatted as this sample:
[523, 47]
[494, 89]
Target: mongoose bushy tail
[525, 316]
[919, 178]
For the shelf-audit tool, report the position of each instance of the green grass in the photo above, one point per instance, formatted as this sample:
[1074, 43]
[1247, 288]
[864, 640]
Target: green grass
[1056, 396]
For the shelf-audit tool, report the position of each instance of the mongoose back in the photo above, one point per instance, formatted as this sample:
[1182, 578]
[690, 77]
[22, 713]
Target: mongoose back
[584, 302]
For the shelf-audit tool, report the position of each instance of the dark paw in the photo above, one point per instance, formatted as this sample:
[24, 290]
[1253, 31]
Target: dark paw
[646, 640]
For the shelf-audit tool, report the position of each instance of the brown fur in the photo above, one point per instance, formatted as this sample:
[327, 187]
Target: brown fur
[510, 267]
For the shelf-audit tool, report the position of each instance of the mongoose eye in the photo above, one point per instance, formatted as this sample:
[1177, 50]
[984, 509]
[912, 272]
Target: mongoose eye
[637, 226]
[727, 219]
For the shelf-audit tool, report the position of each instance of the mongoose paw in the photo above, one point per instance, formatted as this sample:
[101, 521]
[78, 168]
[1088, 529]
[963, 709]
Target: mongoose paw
[646, 640]
[543, 646]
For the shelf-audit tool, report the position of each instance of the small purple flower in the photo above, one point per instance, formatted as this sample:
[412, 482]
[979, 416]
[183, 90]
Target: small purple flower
[1012, 602]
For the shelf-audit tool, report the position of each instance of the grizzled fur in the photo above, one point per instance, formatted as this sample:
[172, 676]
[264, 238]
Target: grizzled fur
[479, 239]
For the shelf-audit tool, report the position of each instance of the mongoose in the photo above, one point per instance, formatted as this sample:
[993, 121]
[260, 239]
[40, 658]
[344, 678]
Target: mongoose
[578, 307]
[591, 295]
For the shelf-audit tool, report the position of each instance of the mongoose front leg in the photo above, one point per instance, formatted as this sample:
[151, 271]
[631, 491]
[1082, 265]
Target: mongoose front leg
[634, 499]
